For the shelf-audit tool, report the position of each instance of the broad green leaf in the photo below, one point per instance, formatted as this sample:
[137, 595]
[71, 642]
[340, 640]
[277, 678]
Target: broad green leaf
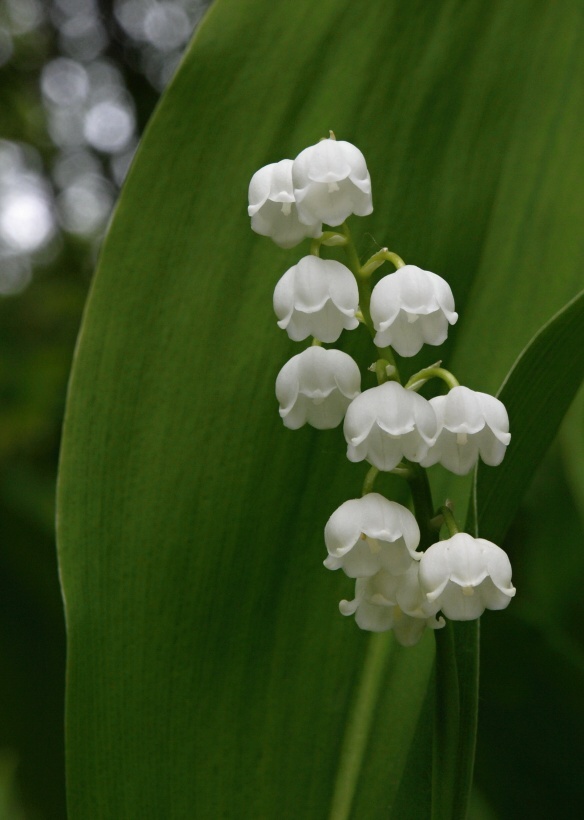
[537, 394]
[209, 671]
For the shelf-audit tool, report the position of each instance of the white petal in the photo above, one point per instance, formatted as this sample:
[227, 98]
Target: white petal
[311, 284]
[316, 297]
[330, 413]
[297, 415]
[343, 529]
[382, 425]
[468, 566]
[287, 385]
[434, 328]
[259, 188]
[382, 450]
[307, 388]
[434, 572]
[460, 607]
[384, 304]
[323, 162]
[496, 416]
[331, 182]
[444, 297]
[411, 597]
[284, 296]
[281, 185]
[494, 598]
[498, 566]
[271, 188]
[360, 418]
[348, 607]
[369, 534]
[462, 412]
[465, 575]
[374, 618]
[360, 561]
[457, 457]
[410, 307]
[492, 450]
[405, 337]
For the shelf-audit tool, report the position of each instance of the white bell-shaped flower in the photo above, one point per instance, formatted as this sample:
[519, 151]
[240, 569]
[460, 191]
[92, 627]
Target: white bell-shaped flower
[411, 307]
[316, 297]
[272, 206]
[316, 387]
[469, 424]
[411, 597]
[465, 576]
[376, 610]
[387, 423]
[374, 602]
[331, 182]
[368, 534]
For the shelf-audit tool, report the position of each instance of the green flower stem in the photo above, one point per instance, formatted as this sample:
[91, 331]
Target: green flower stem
[456, 705]
[467, 648]
[379, 258]
[369, 480]
[456, 644]
[359, 726]
[382, 366]
[328, 238]
[364, 285]
[450, 521]
[423, 376]
[457, 696]
[446, 728]
[422, 499]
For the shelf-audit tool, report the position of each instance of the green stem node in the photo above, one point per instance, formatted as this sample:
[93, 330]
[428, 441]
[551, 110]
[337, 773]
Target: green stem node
[450, 521]
[378, 259]
[364, 286]
[422, 376]
[422, 500]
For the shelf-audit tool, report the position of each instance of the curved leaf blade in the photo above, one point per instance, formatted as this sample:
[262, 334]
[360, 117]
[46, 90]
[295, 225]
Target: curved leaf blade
[209, 671]
[537, 394]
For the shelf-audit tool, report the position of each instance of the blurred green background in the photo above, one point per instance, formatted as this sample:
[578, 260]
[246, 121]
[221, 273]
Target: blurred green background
[78, 81]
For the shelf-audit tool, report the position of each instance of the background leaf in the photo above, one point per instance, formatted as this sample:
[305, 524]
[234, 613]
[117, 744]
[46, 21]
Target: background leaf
[537, 394]
[209, 671]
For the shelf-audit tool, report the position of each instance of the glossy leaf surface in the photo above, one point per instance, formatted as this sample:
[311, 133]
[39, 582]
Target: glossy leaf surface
[209, 671]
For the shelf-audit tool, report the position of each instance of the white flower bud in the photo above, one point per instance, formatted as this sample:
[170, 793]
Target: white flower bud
[387, 423]
[411, 597]
[411, 307]
[465, 576]
[272, 206]
[375, 609]
[469, 424]
[331, 181]
[368, 534]
[374, 602]
[316, 387]
[317, 297]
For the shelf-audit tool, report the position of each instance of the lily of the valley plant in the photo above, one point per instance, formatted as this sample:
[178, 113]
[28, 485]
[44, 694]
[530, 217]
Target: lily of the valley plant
[413, 570]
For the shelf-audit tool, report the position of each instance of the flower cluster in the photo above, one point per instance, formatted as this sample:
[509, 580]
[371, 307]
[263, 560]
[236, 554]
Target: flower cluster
[391, 426]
